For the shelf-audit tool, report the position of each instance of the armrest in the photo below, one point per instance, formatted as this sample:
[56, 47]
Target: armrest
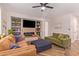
[17, 50]
[31, 46]
[66, 42]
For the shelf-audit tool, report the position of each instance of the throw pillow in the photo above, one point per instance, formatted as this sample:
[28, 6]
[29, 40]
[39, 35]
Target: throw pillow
[18, 39]
[11, 38]
[55, 35]
[14, 46]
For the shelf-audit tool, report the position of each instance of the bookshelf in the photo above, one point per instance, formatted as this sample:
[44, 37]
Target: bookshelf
[38, 27]
[16, 25]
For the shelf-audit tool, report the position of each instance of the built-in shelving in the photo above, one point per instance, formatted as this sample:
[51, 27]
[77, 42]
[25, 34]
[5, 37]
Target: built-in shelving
[38, 27]
[16, 25]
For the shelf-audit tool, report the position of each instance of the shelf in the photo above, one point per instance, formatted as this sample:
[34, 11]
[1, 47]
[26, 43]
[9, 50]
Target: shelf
[16, 22]
[17, 31]
[38, 27]
[16, 25]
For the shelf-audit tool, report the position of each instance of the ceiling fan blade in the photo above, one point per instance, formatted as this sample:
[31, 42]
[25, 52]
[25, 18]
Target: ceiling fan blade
[41, 4]
[45, 4]
[49, 7]
[35, 6]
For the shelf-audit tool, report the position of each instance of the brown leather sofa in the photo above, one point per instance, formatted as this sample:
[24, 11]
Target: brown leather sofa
[23, 50]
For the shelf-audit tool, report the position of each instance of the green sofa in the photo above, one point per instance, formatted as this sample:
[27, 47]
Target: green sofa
[62, 40]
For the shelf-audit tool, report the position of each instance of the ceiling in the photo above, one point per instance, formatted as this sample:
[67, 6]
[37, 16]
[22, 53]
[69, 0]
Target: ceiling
[59, 9]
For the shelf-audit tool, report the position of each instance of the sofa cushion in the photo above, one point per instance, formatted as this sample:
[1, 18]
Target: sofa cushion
[55, 35]
[2, 35]
[63, 36]
[6, 42]
[23, 51]
[22, 43]
[11, 38]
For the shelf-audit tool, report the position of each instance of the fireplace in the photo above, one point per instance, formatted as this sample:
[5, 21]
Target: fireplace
[29, 33]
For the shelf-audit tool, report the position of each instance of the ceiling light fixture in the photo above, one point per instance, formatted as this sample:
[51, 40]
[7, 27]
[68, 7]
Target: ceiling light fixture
[42, 8]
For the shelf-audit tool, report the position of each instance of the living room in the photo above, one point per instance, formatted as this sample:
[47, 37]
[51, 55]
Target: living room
[60, 20]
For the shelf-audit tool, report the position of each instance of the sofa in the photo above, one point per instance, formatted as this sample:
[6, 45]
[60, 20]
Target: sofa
[59, 39]
[23, 50]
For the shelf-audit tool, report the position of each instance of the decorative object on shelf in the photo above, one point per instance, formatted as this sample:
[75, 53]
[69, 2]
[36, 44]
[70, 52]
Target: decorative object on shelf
[29, 34]
[38, 28]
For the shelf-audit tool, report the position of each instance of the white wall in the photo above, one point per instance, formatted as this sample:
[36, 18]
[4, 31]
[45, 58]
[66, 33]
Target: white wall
[74, 28]
[64, 24]
[44, 29]
[4, 20]
[60, 24]
[0, 22]
[77, 21]
[15, 14]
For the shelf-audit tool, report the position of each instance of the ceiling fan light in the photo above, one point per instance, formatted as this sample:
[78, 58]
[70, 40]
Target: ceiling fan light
[42, 8]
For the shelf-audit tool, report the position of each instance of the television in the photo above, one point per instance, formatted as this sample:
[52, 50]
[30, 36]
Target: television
[28, 24]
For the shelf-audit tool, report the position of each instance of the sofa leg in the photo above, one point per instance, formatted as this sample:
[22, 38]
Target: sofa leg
[67, 50]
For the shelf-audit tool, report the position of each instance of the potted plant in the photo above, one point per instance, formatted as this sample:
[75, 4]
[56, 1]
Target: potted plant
[10, 31]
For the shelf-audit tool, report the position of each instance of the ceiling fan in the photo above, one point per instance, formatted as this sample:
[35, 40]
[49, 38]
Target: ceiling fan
[43, 6]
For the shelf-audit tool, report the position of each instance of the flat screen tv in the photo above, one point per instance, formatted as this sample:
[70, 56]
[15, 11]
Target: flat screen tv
[28, 24]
